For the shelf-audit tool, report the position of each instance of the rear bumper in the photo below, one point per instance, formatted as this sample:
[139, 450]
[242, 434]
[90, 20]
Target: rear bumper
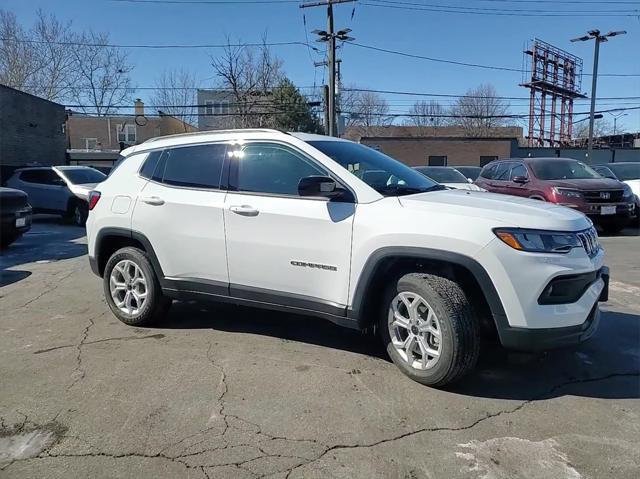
[528, 339]
[93, 263]
[9, 220]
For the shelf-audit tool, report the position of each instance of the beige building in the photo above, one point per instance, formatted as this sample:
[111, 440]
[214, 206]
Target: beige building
[438, 146]
[98, 139]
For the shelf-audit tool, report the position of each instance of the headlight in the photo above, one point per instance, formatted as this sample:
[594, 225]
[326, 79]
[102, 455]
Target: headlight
[627, 193]
[567, 193]
[537, 241]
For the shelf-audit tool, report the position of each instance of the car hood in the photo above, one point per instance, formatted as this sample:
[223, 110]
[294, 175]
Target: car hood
[586, 184]
[635, 186]
[500, 210]
[82, 190]
[463, 186]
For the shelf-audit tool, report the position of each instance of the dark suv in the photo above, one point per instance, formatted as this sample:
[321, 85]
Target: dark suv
[609, 203]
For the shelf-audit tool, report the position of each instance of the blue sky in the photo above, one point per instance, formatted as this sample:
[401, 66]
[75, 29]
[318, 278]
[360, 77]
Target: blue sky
[484, 39]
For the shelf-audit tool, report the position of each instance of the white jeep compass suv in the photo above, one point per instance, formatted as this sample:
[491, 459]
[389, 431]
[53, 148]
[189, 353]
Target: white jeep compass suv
[327, 227]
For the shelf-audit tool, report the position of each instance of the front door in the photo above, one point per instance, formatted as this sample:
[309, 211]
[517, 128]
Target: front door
[180, 212]
[284, 248]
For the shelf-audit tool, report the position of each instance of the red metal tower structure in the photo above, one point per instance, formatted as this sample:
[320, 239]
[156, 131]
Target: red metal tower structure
[553, 77]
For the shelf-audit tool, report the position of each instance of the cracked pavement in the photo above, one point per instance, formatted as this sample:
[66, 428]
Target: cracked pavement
[225, 392]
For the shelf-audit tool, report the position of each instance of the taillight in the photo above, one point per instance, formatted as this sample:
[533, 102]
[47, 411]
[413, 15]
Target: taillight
[94, 197]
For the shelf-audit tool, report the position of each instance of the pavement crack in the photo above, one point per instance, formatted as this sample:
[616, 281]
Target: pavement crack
[50, 289]
[79, 370]
[87, 343]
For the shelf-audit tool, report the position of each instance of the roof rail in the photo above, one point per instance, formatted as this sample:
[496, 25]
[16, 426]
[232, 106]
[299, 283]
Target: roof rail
[208, 132]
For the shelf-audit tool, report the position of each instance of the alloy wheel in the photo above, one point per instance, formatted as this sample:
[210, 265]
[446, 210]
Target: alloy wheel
[128, 287]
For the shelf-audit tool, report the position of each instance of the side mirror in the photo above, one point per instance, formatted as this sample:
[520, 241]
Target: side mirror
[320, 187]
[520, 180]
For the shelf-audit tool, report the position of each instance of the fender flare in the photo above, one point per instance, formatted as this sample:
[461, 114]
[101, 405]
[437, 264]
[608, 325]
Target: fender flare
[477, 270]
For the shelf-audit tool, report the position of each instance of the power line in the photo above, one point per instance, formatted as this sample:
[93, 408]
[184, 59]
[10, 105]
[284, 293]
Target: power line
[206, 2]
[407, 6]
[116, 45]
[500, 10]
[466, 64]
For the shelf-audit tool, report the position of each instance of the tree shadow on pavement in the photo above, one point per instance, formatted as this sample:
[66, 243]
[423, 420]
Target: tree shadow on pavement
[49, 239]
[607, 366]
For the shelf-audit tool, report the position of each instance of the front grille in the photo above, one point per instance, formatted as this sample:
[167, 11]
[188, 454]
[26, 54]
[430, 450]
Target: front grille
[603, 196]
[590, 242]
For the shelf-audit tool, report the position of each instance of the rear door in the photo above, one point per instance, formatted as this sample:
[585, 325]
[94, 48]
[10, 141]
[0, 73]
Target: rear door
[46, 190]
[179, 210]
[282, 247]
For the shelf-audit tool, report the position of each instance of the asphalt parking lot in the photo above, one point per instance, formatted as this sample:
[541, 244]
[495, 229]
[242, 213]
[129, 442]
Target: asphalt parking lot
[217, 392]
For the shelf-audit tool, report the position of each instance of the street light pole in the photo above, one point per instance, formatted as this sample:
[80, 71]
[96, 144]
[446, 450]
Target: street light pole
[595, 35]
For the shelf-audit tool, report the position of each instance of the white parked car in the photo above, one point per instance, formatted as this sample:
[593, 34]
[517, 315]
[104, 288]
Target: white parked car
[628, 173]
[62, 190]
[288, 222]
[445, 175]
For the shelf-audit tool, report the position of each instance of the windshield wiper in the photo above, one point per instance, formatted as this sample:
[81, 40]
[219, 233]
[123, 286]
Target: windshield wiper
[390, 190]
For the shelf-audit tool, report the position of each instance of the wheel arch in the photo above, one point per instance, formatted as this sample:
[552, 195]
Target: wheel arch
[109, 240]
[391, 262]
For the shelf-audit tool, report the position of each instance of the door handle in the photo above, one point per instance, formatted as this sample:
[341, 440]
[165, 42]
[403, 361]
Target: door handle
[244, 210]
[153, 200]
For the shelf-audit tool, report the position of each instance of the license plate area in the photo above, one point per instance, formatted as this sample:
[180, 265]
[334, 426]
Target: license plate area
[607, 210]
[20, 222]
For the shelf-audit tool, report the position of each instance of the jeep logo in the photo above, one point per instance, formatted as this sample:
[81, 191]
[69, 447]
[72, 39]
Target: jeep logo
[605, 195]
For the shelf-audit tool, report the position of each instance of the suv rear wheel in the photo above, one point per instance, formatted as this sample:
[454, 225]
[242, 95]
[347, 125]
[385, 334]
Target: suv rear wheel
[429, 329]
[131, 288]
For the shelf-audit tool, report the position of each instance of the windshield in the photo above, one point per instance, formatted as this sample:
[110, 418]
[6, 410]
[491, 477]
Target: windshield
[626, 171]
[79, 176]
[387, 176]
[563, 170]
[443, 175]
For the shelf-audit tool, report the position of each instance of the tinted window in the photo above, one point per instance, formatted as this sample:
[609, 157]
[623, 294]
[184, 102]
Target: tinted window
[471, 172]
[553, 169]
[198, 166]
[150, 164]
[502, 172]
[43, 177]
[386, 175]
[270, 168]
[437, 160]
[488, 172]
[443, 175]
[79, 176]
[518, 170]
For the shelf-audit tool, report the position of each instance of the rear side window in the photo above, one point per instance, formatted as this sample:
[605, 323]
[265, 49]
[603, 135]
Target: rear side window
[488, 172]
[502, 172]
[198, 166]
[41, 177]
[150, 164]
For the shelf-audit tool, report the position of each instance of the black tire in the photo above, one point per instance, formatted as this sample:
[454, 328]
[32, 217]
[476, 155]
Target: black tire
[8, 238]
[78, 212]
[459, 328]
[155, 306]
[614, 227]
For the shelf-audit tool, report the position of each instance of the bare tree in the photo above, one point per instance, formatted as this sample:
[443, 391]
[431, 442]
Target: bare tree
[39, 61]
[480, 110]
[601, 127]
[103, 75]
[176, 93]
[427, 114]
[370, 110]
[250, 74]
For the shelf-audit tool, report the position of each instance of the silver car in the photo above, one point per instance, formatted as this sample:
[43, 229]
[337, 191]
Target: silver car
[62, 190]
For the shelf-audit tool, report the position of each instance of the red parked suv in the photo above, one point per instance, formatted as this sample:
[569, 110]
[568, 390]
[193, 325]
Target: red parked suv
[609, 203]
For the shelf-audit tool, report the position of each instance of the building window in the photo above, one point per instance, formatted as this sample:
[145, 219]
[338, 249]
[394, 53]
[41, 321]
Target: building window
[485, 160]
[126, 133]
[216, 107]
[437, 160]
[90, 143]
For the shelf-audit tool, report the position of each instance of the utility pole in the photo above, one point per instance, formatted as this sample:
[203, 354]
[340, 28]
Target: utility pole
[595, 35]
[330, 37]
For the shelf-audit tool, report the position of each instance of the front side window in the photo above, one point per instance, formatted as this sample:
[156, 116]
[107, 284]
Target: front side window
[553, 169]
[273, 169]
[198, 166]
[387, 176]
[488, 172]
[502, 172]
[518, 170]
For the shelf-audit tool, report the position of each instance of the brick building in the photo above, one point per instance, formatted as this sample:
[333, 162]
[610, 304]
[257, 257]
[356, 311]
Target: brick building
[97, 140]
[31, 131]
[438, 146]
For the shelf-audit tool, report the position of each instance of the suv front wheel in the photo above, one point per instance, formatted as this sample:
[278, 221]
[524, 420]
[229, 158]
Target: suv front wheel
[131, 288]
[429, 329]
